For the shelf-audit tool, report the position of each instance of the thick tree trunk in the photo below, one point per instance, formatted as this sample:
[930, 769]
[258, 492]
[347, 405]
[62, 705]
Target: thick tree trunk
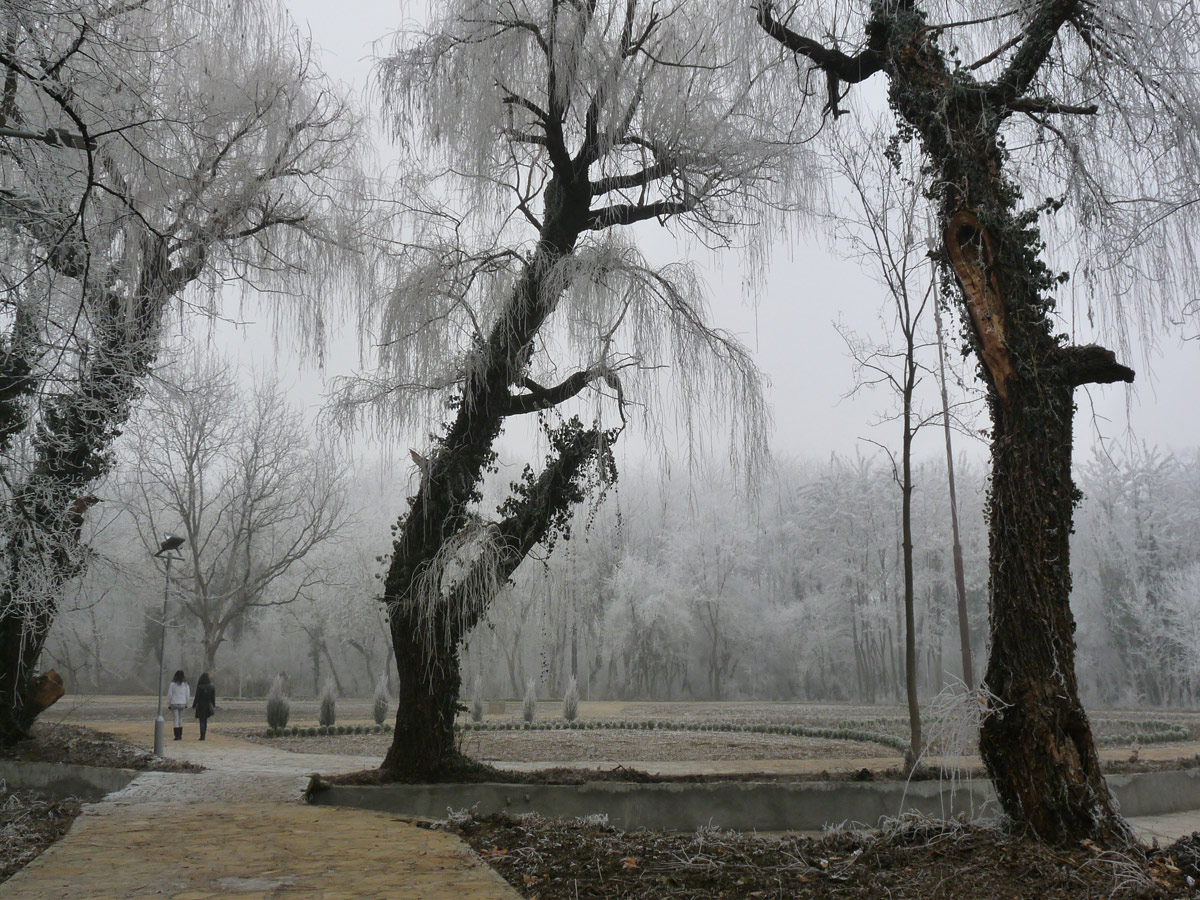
[1036, 741]
[423, 745]
[21, 643]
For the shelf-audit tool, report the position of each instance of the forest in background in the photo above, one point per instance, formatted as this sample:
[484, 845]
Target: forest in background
[687, 589]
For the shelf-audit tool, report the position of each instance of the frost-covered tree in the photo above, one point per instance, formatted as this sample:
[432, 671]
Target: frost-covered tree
[554, 125]
[238, 475]
[1055, 133]
[203, 147]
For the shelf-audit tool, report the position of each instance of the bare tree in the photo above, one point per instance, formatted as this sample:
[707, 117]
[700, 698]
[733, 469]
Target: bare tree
[1093, 105]
[251, 491]
[187, 143]
[567, 122]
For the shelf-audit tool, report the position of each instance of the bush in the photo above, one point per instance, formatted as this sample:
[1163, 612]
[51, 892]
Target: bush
[278, 707]
[327, 714]
[379, 703]
[571, 700]
[529, 704]
[476, 702]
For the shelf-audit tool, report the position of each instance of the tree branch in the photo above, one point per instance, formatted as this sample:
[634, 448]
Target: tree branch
[628, 213]
[851, 69]
[660, 169]
[1040, 35]
[1093, 364]
[540, 398]
[1046, 105]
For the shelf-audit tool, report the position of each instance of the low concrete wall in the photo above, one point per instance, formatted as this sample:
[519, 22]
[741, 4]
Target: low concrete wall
[88, 783]
[743, 806]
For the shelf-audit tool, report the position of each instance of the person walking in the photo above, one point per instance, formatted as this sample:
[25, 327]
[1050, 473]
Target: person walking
[178, 695]
[205, 703]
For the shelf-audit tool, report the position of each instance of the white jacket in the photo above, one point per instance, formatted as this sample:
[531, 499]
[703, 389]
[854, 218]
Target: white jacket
[178, 694]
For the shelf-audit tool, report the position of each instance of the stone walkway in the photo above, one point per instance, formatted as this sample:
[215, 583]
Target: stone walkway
[239, 830]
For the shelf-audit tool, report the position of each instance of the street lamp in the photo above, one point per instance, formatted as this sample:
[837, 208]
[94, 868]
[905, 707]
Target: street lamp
[167, 550]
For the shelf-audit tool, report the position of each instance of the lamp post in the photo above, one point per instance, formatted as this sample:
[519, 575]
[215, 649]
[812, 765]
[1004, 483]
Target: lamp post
[166, 550]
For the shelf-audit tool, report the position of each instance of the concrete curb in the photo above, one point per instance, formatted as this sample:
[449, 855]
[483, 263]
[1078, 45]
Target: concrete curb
[741, 805]
[88, 783]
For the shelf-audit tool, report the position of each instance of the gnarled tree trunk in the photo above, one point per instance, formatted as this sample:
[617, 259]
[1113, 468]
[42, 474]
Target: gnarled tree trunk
[1036, 741]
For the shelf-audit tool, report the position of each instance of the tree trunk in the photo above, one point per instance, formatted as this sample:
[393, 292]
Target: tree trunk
[960, 578]
[423, 746]
[21, 644]
[915, 744]
[1036, 741]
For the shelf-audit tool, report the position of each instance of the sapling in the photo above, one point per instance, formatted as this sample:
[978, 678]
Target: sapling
[278, 707]
[571, 700]
[327, 713]
[379, 703]
[529, 704]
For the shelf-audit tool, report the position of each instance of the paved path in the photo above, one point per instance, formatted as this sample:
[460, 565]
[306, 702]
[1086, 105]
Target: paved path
[239, 830]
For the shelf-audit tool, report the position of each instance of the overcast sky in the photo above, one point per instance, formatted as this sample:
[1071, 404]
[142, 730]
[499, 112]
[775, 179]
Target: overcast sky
[790, 325]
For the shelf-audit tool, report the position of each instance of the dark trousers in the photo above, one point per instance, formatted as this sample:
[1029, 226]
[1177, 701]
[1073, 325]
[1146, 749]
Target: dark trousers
[203, 727]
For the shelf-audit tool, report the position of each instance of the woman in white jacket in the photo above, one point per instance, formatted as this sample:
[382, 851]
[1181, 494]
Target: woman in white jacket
[178, 699]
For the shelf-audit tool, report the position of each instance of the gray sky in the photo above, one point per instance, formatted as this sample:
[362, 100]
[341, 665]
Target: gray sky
[790, 325]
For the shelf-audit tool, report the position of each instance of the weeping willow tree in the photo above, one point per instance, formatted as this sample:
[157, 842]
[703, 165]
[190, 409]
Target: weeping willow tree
[152, 151]
[1061, 146]
[545, 130]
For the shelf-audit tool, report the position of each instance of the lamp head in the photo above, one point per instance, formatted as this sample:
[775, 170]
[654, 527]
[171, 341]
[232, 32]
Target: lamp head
[170, 542]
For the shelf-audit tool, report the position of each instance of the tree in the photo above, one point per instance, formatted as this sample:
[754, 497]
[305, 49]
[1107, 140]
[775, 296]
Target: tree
[883, 225]
[200, 145]
[568, 121]
[250, 490]
[1092, 105]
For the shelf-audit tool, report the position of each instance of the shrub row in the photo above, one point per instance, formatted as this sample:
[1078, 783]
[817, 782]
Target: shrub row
[1165, 734]
[326, 730]
[840, 734]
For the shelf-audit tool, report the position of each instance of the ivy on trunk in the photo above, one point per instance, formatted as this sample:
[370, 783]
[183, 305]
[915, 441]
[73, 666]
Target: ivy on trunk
[1036, 741]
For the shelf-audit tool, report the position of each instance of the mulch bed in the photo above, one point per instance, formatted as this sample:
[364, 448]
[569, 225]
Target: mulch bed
[78, 746]
[918, 859]
[29, 824]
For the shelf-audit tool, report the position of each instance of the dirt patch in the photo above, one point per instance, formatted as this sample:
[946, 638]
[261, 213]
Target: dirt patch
[558, 860]
[78, 746]
[29, 824]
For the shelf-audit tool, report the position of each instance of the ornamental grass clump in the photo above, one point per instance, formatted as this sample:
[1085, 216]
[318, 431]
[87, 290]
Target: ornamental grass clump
[278, 707]
[327, 712]
[529, 704]
[571, 700]
[476, 702]
[379, 703]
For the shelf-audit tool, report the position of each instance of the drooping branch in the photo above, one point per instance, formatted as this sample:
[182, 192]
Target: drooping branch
[550, 496]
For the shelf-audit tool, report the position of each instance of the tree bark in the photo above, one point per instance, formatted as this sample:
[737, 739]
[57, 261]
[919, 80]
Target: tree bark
[1036, 741]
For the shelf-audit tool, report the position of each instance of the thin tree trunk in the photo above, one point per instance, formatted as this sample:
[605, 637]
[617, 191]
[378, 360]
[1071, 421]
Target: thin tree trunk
[915, 746]
[960, 578]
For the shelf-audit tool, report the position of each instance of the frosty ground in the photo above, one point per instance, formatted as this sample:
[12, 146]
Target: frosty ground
[548, 858]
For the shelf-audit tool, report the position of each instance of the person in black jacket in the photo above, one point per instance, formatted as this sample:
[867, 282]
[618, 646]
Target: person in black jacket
[205, 703]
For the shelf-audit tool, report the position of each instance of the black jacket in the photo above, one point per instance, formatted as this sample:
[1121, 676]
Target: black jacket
[206, 701]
